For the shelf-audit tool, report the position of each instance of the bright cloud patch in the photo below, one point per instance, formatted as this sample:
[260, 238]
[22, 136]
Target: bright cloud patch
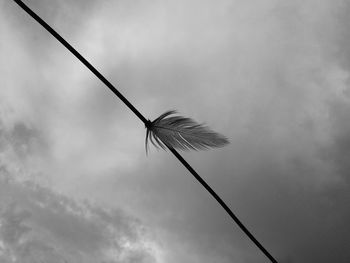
[37, 225]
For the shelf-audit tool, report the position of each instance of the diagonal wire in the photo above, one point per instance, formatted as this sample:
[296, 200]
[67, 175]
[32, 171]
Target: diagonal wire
[82, 59]
[146, 122]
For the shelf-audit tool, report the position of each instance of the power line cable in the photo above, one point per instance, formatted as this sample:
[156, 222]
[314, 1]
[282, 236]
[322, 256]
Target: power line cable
[147, 123]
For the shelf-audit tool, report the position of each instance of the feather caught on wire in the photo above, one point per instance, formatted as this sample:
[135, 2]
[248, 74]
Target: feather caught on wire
[173, 131]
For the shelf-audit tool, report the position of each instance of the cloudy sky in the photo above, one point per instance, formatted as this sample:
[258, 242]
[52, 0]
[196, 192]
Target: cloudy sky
[273, 76]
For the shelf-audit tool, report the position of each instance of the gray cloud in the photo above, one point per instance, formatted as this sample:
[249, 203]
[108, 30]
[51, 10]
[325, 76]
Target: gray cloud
[39, 225]
[271, 75]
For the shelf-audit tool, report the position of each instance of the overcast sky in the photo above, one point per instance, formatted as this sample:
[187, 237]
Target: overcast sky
[273, 76]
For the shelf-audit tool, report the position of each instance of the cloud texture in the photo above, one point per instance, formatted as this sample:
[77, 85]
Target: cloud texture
[271, 75]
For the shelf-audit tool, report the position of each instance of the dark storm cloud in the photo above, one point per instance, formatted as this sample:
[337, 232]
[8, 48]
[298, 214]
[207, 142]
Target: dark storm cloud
[338, 150]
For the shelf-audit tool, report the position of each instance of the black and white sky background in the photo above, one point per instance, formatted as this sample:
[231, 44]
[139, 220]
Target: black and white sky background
[273, 76]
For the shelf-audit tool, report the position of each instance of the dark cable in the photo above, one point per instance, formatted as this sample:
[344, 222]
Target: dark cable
[145, 121]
